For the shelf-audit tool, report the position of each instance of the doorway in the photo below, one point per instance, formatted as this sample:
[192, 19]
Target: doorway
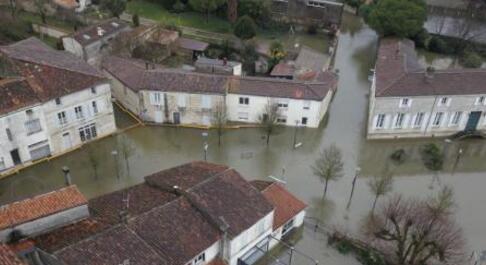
[15, 157]
[66, 141]
[158, 116]
[177, 117]
[472, 122]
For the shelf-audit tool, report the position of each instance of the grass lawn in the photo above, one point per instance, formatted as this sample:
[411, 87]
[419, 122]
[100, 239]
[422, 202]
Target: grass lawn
[51, 21]
[189, 19]
[318, 42]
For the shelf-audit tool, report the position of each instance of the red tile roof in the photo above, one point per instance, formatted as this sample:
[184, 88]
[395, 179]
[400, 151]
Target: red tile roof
[286, 204]
[8, 257]
[399, 74]
[40, 206]
[283, 69]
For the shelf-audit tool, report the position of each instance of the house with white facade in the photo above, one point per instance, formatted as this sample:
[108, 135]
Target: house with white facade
[92, 42]
[179, 97]
[51, 102]
[193, 214]
[407, 100]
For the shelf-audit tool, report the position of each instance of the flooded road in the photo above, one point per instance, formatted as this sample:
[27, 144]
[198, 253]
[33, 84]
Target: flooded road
[157, 148]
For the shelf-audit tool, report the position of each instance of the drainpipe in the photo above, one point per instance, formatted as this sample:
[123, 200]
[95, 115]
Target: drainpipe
[67, 176]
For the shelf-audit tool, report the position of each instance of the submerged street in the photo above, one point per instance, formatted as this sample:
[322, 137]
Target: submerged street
[157, 148]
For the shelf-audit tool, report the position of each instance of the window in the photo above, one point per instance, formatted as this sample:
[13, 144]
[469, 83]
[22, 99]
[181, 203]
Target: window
[419, 119]
[243, 115]
[283, 104]
[181, 101]
[95, 107]
[2, 163]
[444, 101]
[9, 134]
[399, 120]
[405, 102]
[93, 90]
[304, 121]
[307, 105]
[480, 100]
[438, 119]
[58, 101]
[287, 227]
[29, 113]
[282, 120]
[206, 102]
[33, 126]
[79, 112]
[244, 101]
[200, 259]
[157, 99]
[380, 121]
[88, 132]
[456, 118]
[61, 116]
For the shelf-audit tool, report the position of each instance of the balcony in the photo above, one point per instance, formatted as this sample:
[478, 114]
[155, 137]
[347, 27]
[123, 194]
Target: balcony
[33, 126]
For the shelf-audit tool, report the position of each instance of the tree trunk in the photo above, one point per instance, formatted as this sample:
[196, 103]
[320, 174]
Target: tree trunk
[374, 204]
[128, 166]
[268, 138]
[325, 189]
[219, 138]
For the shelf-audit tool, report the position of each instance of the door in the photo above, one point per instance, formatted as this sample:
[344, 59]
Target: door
[473, 121]
[177, 117]
[158, 116]
[66, 141]
[15, 156]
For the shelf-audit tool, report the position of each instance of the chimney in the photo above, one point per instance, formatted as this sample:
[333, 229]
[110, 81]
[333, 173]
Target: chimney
[67, 176]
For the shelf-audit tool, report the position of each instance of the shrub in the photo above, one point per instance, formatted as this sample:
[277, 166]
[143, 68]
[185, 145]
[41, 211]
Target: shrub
[312, 29]
[344, 247]
[421, 39]
[438, 45]
[399, 156]
[258, 10]
[136, 20]
[245, 28]
[179, 7]
[471, 59]
[432, 157]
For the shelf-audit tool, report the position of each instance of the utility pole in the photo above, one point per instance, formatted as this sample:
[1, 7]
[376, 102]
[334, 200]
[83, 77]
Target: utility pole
[352, 187]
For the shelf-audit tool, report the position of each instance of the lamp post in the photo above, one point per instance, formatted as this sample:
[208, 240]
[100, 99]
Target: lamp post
[358, 169]
[114, 153]
[205, 145]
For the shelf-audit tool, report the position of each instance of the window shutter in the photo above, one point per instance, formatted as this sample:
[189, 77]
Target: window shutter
[406, 120]
[375, 120]
[181, 101]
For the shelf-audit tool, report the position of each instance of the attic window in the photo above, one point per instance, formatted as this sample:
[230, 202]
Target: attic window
[114, 24]
[93, 90]
[86, 36]
[58, 101]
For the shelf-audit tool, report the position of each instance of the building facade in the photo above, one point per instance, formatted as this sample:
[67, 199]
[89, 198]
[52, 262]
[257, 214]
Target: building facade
[169, 96]
[52, 102]
[408, 101]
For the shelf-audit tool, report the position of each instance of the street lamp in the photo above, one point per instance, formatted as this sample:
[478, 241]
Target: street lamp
[358, 170]
[205, 145]
[114, 153]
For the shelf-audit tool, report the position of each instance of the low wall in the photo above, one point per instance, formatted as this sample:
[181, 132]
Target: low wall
[49, 31]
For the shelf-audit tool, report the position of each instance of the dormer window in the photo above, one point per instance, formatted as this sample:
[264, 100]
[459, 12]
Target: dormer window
[58, 101]
[93, 90]
[405, 102]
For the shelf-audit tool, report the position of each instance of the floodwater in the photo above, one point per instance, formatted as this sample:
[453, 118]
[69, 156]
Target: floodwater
[157, 148]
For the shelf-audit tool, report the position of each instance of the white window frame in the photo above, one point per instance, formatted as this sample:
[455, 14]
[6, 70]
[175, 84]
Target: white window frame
[244, 101]
[417, 123]
[78, 111]
[400, 117]
[456, 118]
[62, 118]
[307, 104]
[437, 122]
[94, 106]
[181, 101]
[446, 103]
[206, 102]
[405, 102]
[243, 116]
[380, 121]
[481, 100]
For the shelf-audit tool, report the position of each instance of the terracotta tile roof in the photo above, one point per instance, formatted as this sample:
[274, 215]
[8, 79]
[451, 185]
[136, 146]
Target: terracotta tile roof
[286, 204]
[398, 74]
[192, 44]
[283, 69]
[40, 206]
[8, 257]
[113, 246]
[187, 175]
[42, 74]
[177, 231]
[230, 196]
[137, 78]
[90, 34]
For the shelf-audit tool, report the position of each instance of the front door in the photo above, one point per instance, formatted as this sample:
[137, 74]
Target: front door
[15, 156]
[177, 117]
[66, 141]
[473, 121]
[158, 116]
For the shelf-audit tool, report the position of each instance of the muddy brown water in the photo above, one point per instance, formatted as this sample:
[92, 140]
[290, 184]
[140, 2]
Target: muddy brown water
[157, 148]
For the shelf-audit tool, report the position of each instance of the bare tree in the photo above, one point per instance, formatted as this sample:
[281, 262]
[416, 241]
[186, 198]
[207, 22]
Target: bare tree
[268, 119]
[127, 149]
[93, 160]
[13, 8]
[329, 165]
[380, 186]
[41, 8]
[220, 119]
[417, 232]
